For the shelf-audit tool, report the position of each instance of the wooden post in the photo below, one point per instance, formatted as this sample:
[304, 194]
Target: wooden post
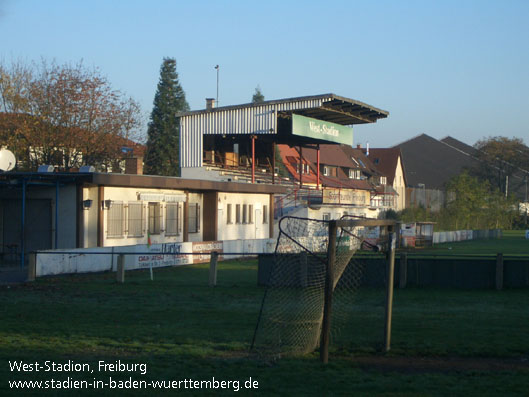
[390, 271]
[499, 272]
[213, 268]
[120, 274]
[32, 266]
[403, 277]
[329, 286]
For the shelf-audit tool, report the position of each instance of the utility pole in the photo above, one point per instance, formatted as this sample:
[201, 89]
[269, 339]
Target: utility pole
[217, 100]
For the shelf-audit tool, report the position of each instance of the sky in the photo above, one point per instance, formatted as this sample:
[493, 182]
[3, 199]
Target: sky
[458, 68]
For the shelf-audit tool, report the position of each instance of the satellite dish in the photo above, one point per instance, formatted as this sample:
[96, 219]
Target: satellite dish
[7, 160]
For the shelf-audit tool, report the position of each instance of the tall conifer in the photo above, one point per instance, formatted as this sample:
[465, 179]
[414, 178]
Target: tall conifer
[162, 156]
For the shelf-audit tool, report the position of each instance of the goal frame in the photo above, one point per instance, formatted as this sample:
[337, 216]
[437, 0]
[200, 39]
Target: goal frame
[334, 225]
[328, 260]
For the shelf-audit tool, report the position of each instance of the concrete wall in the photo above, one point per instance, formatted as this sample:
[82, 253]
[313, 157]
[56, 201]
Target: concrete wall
[86, 260]
[255, 230]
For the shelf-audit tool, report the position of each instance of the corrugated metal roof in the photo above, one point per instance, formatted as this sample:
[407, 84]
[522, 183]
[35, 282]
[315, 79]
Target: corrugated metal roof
[338, 109]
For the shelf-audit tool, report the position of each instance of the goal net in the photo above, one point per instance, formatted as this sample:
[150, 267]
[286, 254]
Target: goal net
[292, 310]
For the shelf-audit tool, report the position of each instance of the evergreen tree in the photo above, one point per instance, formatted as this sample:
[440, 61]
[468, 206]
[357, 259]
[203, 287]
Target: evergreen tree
[162, 156]
[258, 96]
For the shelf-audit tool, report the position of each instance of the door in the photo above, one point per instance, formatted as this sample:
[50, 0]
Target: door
[258, 222]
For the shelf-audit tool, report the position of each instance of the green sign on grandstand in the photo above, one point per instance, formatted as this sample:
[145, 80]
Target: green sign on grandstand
[318, 129]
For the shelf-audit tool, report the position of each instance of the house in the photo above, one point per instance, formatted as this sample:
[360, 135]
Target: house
[346, 182]
[430, 163]
[389, 162]
[40, 211]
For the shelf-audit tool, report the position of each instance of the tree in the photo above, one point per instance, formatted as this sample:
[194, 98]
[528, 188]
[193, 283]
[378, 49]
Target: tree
[64, 115]
[502, 158]
[258, 96]
[162, 156]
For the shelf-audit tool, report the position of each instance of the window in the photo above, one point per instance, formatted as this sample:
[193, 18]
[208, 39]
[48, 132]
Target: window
[194, 218]
[265, 214]
[325, 171]
[135, 221]
[172, 218]
[326, 216]
[115, 219]
[354, 174]
[250, 213]
[228, 215]
[244, 213]
[383, 180]
[305, 169]
[237, 213]
[154, 218]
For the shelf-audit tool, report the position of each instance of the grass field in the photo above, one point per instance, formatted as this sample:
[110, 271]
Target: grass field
[444, 342]
[513, 242]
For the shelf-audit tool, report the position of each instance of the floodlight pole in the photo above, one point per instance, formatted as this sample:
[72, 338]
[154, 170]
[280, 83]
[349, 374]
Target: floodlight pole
[217, 100]
[390, 273]
[329, 286]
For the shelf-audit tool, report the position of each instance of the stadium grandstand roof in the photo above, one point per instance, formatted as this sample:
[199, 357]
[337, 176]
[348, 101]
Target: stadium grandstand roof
[328, 107]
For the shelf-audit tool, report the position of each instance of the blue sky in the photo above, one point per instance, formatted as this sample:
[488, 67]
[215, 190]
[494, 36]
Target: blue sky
[458, 68]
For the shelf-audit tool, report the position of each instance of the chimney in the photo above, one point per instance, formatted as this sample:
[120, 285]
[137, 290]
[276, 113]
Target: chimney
[358, 146]
[210, 103]
[134, 165]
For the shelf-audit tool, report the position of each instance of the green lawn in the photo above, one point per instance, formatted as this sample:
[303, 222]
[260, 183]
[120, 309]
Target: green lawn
[513, 242]
[444, 342]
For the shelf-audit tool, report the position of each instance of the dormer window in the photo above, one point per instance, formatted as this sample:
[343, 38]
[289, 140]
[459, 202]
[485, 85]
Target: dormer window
[325, 170]
[354, 174]
[305, 169]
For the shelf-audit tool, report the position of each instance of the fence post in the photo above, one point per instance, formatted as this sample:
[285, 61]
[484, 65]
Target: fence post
[120, 274]
[499, 272]
[390, 273]
[403, 263]
[329, 286]
[213, 268]
[32, 266]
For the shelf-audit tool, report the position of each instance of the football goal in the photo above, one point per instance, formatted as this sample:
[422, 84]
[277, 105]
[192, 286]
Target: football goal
[314, 279]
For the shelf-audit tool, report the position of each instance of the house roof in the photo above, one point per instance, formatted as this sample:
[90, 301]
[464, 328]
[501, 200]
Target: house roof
[386, 161]
[331, 155]
[461, 146]
[431, 162]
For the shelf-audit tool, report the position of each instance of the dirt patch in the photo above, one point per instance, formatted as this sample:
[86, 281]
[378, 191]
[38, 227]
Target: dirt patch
[440, 364]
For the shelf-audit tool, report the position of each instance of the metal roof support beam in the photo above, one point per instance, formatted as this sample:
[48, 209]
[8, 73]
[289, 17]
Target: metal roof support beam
[349, 114]
[253, 158]
[318, 168]
[300, 167]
